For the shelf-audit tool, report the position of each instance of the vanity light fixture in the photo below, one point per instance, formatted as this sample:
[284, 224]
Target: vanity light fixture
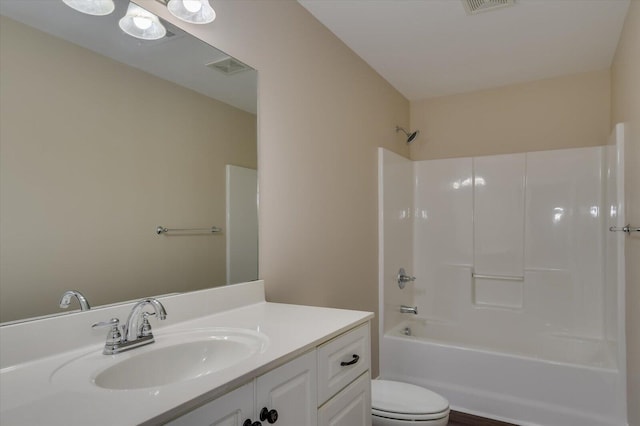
[92, 7]
[192, 11]
[142, 24]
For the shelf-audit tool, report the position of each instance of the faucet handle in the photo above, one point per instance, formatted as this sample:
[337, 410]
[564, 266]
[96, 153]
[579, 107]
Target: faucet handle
[145, 330]
[113, 336]
[403, 278]
[113, 322]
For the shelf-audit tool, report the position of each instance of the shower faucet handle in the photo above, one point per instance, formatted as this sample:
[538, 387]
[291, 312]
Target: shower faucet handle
[403, 278]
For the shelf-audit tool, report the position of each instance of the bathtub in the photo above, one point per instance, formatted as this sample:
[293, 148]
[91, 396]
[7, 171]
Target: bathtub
[508, 386]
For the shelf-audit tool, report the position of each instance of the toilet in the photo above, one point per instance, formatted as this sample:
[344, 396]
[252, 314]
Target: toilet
[397, 403]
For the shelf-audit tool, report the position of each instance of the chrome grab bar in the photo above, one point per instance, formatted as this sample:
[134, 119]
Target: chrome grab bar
[163, 230]
[626, 229]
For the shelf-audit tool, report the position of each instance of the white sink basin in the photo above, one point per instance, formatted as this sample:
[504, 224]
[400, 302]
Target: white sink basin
[173, 358]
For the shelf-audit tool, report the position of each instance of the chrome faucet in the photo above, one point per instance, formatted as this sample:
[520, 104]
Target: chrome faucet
[136, 331]
[137, 324]
[65, 300]
[409, 309]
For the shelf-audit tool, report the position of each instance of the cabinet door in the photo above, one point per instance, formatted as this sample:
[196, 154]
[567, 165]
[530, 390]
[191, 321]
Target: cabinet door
[350, 407]
[291, 390]
[231, 409]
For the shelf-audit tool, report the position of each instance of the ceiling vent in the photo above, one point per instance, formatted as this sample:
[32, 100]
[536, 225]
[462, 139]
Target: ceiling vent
[228, 66]
[476, 6]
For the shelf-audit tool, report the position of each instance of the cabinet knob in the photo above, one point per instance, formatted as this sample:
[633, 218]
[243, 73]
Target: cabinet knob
[271, 416]
[249, 423]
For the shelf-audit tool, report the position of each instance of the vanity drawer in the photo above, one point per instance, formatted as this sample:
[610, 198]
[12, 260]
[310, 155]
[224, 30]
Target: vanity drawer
[342, 360]
[350, 407]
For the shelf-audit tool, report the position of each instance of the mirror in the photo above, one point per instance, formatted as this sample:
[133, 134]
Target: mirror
[105, 137]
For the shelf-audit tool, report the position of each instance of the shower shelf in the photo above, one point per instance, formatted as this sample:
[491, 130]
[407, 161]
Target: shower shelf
[497, 277]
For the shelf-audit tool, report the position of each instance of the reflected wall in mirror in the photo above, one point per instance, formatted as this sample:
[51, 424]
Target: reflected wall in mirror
[103, 138]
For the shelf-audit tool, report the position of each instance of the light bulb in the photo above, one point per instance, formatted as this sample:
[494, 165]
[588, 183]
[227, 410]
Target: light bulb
[92, 7]
[141, 24]
[192, 5]
[192, 11]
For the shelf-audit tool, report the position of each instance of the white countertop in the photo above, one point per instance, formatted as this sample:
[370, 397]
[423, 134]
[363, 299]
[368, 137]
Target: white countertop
[29, 396]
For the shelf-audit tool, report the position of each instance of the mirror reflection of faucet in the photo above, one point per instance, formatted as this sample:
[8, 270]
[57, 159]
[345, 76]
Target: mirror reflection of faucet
[65, 300]
[403, 278]
[136, 331]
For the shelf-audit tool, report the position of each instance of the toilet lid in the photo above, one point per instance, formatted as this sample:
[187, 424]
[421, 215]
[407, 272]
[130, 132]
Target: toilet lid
[405, 398]
[409, 417]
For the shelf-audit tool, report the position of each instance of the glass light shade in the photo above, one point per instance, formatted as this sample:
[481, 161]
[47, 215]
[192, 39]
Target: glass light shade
[142, 24]
[193, 11]
[92, 7]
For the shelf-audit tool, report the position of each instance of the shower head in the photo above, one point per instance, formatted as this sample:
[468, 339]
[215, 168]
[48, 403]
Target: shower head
[410, 136]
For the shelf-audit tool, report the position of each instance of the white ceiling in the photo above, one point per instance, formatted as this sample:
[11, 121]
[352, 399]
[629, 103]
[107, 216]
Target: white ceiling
[428, 48]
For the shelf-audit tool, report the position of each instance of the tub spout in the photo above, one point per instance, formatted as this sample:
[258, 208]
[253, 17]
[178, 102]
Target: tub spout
[409, 309]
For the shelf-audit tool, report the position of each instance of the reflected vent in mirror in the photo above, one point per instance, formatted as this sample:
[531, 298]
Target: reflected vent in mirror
[229, 66]
[473, 7]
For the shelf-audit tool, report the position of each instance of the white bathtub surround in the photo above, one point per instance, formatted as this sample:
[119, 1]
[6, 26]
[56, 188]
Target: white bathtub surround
[395, 198]
[512, 244]
[30, 394]
[518, 281]
[498, 214]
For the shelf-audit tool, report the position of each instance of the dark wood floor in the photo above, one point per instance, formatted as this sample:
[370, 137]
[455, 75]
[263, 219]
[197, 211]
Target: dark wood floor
[457, 418]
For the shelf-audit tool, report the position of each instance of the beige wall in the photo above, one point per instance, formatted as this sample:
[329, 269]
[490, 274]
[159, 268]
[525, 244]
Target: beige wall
[564, 112]
[95, 155]
[322, 112]
[625, 105]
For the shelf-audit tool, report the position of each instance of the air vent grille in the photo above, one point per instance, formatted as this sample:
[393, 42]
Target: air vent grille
[476, 6]
[228, 66]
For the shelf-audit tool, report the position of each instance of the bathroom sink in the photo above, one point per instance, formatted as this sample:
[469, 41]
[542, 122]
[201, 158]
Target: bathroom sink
[173, 358]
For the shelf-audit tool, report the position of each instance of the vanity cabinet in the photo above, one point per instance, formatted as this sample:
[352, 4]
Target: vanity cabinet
[329, 385]
[231, 409]
[344, 382]
[342, 360]
[291, 390]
